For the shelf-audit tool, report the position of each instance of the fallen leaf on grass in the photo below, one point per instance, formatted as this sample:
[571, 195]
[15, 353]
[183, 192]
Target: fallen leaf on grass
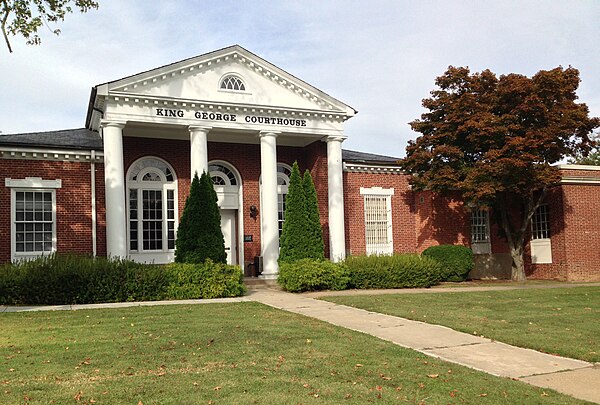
[433, 375]
[217, 388]
[483, 395]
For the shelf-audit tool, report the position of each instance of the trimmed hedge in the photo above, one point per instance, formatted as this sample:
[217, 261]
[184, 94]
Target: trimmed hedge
[312, 275]
[206, 280]
[456, 260]
[69, 279]
[397, 271]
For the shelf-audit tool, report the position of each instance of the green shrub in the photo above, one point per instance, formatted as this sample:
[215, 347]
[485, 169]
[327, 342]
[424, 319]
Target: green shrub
[70, 279]
[199, 235]
[456, 261]
[204, 280]
[397, 271]
[314, 233]
[312, 275]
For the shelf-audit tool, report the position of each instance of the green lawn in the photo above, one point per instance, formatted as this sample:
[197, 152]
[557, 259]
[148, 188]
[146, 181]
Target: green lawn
[225, 353]
[564, 321]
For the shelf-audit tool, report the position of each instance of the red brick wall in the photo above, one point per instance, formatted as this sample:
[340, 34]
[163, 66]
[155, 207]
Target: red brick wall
[73, 203]
[582, 231]
[441, 220]
[403, 218]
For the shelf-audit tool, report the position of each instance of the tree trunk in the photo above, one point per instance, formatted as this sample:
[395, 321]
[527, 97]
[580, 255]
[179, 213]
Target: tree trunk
[518, 264]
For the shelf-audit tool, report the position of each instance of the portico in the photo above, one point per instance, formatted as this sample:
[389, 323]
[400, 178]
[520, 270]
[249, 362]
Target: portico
[189, 109]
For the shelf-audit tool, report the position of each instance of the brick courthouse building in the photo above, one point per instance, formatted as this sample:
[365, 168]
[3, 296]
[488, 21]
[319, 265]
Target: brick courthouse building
[118, 186]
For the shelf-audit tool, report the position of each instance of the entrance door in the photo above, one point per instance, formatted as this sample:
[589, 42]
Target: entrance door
[228, 229]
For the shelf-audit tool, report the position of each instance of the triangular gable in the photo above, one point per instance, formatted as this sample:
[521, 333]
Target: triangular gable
[198, 79]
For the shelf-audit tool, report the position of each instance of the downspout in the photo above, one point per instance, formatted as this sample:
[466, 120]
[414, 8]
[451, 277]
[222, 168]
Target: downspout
[93, 187]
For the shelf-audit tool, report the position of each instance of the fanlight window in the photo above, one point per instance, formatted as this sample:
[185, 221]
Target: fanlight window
[232, 83]
[142, 164]
[221, 175]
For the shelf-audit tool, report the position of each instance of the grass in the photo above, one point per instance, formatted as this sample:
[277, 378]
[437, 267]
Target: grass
[225, 353]
[562, 321]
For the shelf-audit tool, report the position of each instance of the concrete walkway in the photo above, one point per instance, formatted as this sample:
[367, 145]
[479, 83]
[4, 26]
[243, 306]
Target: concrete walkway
[577, 378]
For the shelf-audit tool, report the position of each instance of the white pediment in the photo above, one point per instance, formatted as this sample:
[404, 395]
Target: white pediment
[198, 79]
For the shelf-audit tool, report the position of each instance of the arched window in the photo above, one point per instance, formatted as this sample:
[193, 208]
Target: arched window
[152, 202]
[221, 175]
[231, 82]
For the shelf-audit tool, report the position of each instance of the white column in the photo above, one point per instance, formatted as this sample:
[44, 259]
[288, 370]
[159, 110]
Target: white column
[114, 183]
[269, 234]
[337, 239]
[198, 150]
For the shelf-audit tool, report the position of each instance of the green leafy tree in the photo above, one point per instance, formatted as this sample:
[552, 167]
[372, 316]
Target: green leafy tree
[199, 235]
[592, 159]
[494, 140]
[294, 236]
[315, 246]
[26, 17]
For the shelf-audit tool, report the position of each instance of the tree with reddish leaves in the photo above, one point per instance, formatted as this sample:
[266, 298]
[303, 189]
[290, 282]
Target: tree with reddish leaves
[494, 139]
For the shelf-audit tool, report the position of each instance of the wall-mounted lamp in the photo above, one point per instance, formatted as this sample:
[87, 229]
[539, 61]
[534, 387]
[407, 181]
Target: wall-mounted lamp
[253, 212]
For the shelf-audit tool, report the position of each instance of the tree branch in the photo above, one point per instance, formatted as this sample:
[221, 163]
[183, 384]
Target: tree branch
[3, 24]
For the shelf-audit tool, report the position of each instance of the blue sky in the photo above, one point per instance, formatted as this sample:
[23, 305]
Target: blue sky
[380, 57]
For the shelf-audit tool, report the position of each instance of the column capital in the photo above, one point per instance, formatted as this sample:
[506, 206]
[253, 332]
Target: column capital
[264, 133]
[334, 138]
[112, 123]
[199, 128]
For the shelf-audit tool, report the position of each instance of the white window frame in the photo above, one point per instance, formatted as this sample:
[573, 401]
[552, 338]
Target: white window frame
[282, 191]
[164, 255]
[541, 242]
[478, 245]
[385, 194]
[30, 184]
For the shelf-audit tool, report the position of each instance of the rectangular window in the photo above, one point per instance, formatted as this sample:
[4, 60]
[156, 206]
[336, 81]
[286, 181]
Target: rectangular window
[480, 232]
[133, 219]
[280, 211]
[33, 216]
[34, 224]
[378, 220]
[540, 223]
[541, 245]
[152, 219]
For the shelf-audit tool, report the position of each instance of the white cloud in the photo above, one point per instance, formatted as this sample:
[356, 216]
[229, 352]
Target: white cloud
[381, 57]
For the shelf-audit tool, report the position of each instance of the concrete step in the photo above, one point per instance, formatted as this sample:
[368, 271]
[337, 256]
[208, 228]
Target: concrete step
[254, 283]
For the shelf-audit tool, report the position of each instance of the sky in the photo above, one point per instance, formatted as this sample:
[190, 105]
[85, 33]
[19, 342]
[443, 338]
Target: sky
[380, 57]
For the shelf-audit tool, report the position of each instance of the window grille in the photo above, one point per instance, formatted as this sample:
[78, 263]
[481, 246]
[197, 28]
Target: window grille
[152, 207]
[378, 224]
[283, 181]
[221, 175]
[540, 223]
[480, 232]
[34, 224]
[232, 83]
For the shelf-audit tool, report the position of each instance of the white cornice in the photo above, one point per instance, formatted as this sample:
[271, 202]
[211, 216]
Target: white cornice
[366, 168]
[64, 155]
[210, 106]
[579, 180]
[579, 167]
